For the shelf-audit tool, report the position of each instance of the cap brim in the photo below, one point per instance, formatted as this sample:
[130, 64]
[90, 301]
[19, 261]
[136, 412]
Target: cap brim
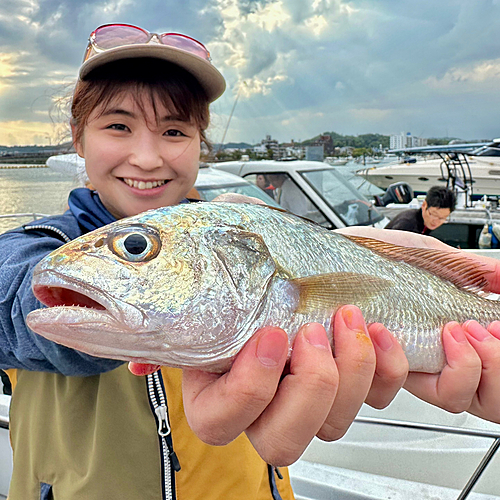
[207, 75]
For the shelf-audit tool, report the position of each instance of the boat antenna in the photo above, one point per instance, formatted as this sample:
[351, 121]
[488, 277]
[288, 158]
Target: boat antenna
[231, 115]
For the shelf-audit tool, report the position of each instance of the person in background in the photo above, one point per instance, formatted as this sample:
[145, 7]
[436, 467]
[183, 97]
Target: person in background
[436, 208]
[263, 183]
[289, 195]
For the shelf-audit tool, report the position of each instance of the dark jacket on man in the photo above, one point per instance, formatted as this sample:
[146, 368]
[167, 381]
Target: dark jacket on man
[409, 220]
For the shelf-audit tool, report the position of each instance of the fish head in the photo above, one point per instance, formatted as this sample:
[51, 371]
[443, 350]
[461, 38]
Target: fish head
[169, 293]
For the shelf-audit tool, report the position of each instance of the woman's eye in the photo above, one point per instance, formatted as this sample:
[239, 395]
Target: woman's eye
[118, 126]
[174, 133]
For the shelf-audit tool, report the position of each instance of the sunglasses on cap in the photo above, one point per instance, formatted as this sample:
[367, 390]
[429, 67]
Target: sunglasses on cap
[110, 36]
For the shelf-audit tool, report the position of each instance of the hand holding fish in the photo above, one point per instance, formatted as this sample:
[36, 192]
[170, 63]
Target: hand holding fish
[471, 379]
[320, 395]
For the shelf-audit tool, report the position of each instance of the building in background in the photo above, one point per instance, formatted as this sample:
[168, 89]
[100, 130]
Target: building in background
[407, 140]
[315, 153]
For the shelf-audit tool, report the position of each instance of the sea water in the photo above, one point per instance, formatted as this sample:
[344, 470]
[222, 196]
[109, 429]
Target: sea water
[32, 191]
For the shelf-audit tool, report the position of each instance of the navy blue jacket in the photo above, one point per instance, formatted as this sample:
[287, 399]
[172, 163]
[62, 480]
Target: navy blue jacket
[20, 250]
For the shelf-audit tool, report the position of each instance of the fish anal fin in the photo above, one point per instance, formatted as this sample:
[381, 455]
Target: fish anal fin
[454, 267]
[327, 292]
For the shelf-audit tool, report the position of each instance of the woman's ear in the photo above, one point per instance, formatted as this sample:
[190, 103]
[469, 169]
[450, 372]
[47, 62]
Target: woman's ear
[77, 144]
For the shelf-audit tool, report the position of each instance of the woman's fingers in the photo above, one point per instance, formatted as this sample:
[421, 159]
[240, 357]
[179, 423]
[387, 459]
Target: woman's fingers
[391, 369]
[220, 407]
[355, 360]
[455, 387]
[486, 342]
[302, 402]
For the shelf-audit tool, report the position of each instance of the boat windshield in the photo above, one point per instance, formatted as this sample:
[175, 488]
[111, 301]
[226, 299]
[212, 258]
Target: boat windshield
[343, 198]
[208, 193]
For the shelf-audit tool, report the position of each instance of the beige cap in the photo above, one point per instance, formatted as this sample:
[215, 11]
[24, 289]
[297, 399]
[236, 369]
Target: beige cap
[207, 75]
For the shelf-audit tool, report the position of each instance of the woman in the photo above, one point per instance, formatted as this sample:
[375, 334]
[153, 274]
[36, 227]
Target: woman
[87, 428]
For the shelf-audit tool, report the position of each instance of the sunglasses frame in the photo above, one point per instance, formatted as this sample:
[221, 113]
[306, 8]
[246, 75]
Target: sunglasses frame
[93, 46]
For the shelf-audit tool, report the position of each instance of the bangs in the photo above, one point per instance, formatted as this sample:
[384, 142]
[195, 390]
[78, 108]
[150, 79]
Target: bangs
[150, 82]
[146, 97]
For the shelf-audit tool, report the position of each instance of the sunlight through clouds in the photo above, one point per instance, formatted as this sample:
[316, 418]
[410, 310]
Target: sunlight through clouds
[351, 66]
[470, 76]
[6, 69]
[20, 132]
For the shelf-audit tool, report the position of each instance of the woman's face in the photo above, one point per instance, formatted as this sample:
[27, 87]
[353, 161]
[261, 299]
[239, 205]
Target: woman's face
[135, 163]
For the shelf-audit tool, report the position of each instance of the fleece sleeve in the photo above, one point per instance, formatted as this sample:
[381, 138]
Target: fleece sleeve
[19, 346]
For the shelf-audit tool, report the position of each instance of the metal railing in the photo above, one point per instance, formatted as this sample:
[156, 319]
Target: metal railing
[488, 456]
[32, 215]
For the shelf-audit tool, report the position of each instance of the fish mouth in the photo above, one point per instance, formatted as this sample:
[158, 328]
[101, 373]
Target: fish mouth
[60, 292]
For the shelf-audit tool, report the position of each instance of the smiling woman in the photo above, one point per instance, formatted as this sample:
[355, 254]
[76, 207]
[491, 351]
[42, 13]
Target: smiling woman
[139, 114]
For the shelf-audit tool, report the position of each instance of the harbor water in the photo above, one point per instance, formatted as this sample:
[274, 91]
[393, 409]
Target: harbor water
[32, 190]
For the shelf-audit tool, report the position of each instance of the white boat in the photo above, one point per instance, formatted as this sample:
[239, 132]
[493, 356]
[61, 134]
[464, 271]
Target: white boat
[336, 162]
[485, 173]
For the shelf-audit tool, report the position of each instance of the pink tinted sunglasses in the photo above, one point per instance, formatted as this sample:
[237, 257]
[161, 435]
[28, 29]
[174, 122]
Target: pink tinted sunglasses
[110, 36]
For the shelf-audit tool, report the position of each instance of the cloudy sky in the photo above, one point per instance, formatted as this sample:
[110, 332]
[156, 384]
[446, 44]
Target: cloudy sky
[296, 67]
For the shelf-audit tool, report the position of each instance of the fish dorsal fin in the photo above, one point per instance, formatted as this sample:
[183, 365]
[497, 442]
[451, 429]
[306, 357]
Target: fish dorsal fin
[454, 267]
[326, 292]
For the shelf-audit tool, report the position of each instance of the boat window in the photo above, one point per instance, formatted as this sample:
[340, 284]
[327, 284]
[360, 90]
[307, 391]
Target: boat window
[283, 189]
[208, 193]
[343, 198]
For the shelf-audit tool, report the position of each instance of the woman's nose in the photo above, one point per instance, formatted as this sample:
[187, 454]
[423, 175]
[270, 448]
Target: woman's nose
[147, 152]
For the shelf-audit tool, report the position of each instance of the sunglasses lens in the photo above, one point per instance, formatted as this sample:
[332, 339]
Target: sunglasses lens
[115, 35]
[185, 43]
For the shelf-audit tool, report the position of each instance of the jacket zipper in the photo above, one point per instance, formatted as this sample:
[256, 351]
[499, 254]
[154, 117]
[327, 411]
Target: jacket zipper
[169, 459]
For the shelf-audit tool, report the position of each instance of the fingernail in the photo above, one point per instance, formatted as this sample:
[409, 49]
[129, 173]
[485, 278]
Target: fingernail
[457, 332]
[474, 329]
[494, 328]
[383, 339]
[315, 335]
[270, 348]
[353, 318]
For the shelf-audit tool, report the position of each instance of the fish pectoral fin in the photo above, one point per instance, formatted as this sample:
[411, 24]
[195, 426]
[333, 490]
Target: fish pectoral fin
[326, 292]
[452, 266]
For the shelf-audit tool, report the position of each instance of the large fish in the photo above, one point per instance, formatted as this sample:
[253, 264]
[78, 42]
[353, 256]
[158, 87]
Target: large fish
[187, 286]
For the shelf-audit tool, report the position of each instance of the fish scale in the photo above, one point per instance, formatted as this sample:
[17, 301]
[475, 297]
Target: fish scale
[213, 273]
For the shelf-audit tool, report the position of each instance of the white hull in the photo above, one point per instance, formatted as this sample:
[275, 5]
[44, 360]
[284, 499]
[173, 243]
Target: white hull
[425, 174]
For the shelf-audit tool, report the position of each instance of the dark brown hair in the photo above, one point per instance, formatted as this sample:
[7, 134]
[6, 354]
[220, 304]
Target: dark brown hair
[151, 81]
[441, 197]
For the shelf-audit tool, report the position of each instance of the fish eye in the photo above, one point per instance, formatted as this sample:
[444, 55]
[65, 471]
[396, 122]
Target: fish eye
[135, 244]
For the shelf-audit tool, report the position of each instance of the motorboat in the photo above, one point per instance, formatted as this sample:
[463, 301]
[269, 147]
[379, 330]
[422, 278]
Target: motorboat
[472, 167]
[425, 173]
[336, 162]
[410, 450]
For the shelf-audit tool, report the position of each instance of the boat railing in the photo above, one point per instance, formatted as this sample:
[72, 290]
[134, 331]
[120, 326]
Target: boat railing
[32, 215]
[485, 461]
[458, 173]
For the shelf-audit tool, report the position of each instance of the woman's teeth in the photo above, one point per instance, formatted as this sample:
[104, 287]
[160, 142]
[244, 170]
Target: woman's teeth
[143, 185]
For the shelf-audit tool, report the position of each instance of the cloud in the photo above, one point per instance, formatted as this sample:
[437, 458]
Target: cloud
[470, 77]
[297, 66]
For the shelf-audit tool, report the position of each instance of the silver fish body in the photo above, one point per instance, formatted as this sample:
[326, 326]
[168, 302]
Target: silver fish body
[187, 286]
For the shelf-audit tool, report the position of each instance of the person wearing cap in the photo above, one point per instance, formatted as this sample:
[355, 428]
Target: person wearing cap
[90, 428]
